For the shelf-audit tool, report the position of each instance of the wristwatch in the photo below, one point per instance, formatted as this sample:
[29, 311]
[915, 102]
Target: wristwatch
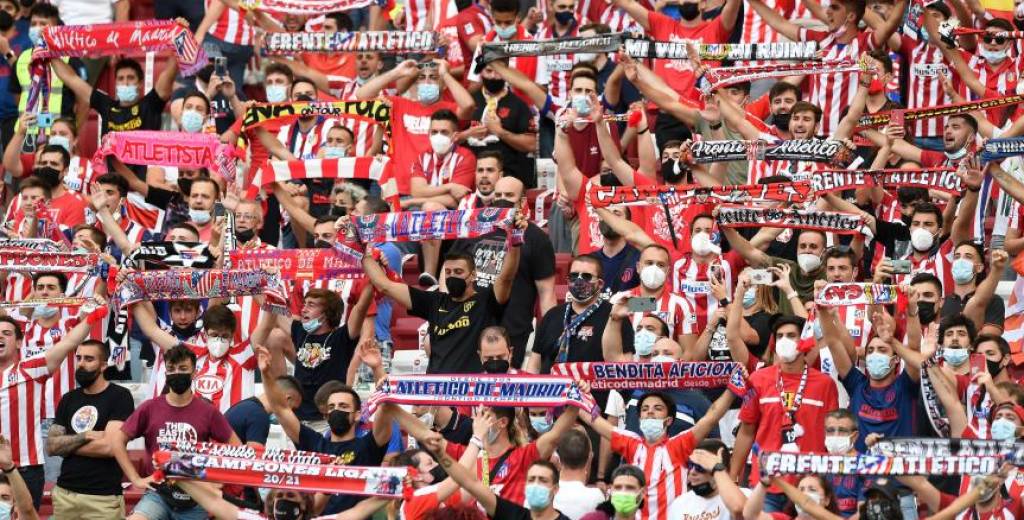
[717, 467]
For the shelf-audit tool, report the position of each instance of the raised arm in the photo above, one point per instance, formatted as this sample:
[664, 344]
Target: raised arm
[110, 226]
[1007, 182]
[298, 214]
[806, 503]
[736, 117]
[892, 22]
[145, 317]
[164, 83]
[71, 80]
[620, 168]
[509, 268]
[547, 442]
[372, 88]
[521, 82]
[970, 174]
[975, 307]
[738, 350]
[611, 339]
[465, 479]
[656, 91]
[58, 354]
[21, 495]
[278, 403]
[565, 161]
[462, 97]
[12, 154]
[713, 415]
[837, 338]
[773, 18]
[636, 12]
[396, 290]
[633, 233]
[955, 411]
[752, 255]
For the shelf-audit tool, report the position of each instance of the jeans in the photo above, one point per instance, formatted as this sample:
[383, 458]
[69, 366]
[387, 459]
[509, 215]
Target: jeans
[238, 58]
[153, 507]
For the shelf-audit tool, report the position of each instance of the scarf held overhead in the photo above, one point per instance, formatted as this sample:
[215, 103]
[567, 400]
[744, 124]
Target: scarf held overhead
[171, 254]
[942, 179]
[842, 294]
[155, 148]
[926, 447]
[829, 221]
[414, 226]
[304, 7]
[915, 114]
[190, 284]
[247, 451]
[119, 38]
[777, 463]
[27, 261]
[299, 264]
[374, 111]
[392, 42]
[719, 77]
[652, 375]
[365, 168]
[812, 150]
[604, 196]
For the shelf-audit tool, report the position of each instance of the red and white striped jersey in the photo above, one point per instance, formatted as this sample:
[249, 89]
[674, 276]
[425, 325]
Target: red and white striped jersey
[999, 80]
[671, 308]
[855, 318]
[664, 463]
[754, 27]
[231, 27]
[940, 264]
[247, 313]
[458, 166]
[79, 175]
[690, 279]
[18, 287]
[834, 92]
[619, 21]
[553, 70]
[471, 201]
[227, 380]
[425, 15]
[303, 145]
[37, 341]
[21, 395]
[362, 131]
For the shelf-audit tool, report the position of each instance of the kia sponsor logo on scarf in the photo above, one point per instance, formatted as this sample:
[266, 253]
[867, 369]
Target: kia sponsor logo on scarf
[778, 463]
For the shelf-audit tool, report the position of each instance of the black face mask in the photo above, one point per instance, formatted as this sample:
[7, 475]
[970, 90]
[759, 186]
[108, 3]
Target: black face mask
[322, 244]
[994, 367]
[496, 366]
[185, 332]
[339, 211]
[669, 173]
[340, 422]
[689, 11]
[184, 185]
[456, 286]
[607, 231]
[502, 203]
[609, 179]
[6, 22]
[304, 97]
[49, 176]
[493, 85]
[179, 383]
[245, 235]
[287, 510]
[926, 312]
[781, 121]
[85, 378]
[437, 474]
[703, 490]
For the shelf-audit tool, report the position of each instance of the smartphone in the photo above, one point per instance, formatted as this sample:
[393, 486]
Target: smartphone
[44, 120]
[218, 209]
[908, 504]
[978, 364]
[896, 117]
[640, 304]
[900, 266]
[760, 276]
[220, 66]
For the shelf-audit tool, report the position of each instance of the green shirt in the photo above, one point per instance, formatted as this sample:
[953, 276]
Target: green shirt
[802, 283]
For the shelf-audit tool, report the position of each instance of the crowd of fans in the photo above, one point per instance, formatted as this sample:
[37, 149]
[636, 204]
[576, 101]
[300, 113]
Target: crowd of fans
[655, 281]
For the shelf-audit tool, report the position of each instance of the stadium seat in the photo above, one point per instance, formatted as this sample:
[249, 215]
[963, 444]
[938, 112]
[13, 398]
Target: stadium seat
[562, 261]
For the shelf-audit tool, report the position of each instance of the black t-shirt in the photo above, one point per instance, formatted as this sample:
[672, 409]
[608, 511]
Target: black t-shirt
[995, 312]
[79, 412]
[319, 358]
[360, 451]
[536, 262]
[506, 510]
[250, 420]
[144, 115]
[455, 328]
[515, 117]
[173, 202]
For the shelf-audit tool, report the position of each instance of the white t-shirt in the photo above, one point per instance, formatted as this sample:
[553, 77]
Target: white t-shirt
[616, 407]
[574, 499]
[84, 12]
[689, 506]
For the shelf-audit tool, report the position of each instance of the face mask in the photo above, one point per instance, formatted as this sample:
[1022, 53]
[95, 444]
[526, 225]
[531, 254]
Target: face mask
[921, 239]
[218, 347]
[781, 121]
[311, 325]
[49, 176]
[994, 367]
[875, 87]
[701, 244]
[35, 35]
[492, 435]
[652, 276]
[926, 312]
[673, 172]
[506, 32]
[322, 244]
[245, 235]
[334, 152]
[541, 424]
[785, 348]
[6, 510]
[703, 490]
[663, 359]
[200, 216]
[428, 92]
[179, 383]
[184, 332]
[440, 143]
[338, 211]
[652, 429]
[818, 333]
[689, 11]
[963, 271]
[1003, 429]
[808, 262]
[564, 17]
[838, 444]
[85, 378]
[586, 56]
[60, 140]
[993, 57]
[437, 474]
[340, 422]
[749, 298]
[956, 155]
[494, 85]
[955, 356]
[287, 510]
[643, 342]
[127, 93]
[496, 366]
[816, 498]
[625, 503]
[582, 290]
[537, 497]
[191, 121]
[456, 286]
[607, 231]
[582, 105]
[276, 93]
[43, 312]
[879, 365]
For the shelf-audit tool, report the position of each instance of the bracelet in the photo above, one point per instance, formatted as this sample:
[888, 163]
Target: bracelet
[476, 441]
[792, 295]
[644, 131]
[11, 470]
[973, 190]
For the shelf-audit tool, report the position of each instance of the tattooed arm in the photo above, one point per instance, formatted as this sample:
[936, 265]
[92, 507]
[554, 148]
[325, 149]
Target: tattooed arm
[62, 444]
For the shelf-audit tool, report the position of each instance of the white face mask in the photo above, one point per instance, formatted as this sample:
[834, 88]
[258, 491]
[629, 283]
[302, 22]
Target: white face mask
[993, 57]
[440, 143]
[816, 498]
[921, 239]
[785, 348]
[702, 245]
[838, 444]
[652, 276]
[217, 346]
[808, 262]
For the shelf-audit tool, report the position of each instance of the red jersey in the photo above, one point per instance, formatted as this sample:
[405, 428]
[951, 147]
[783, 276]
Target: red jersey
[656, 223]
[671, 308]
[458, 166]
[468, 23]
[664, 464]
[410, 126]
[924, 89]
[678, 73]
[509, 480]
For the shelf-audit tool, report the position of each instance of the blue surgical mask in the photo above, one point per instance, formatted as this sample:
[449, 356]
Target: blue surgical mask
[581, 104]
[6, 510]
[818, 333]
[652, 429]
[60, 140]
[334, 152]
[35, 35]
[963, 271]
[879, 365]
[643, 342]
[43, 312]
[506, 32]
[192, 121]
[199, 216]
[127, 93]
[1003, 429]
[538, 496]
[428, 92]
[955, 356]
[541, 424]
[492, 435]
[311, 325]
[749, 298]
[276, 93]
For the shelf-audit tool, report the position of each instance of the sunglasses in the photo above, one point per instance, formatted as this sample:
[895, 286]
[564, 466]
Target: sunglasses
[695, 468]
[587, 277]
[998, 40]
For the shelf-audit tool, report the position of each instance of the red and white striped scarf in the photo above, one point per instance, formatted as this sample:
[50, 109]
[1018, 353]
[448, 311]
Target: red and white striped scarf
[366, 168]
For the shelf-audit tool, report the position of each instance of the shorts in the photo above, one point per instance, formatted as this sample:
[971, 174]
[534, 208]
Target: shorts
[68, 504]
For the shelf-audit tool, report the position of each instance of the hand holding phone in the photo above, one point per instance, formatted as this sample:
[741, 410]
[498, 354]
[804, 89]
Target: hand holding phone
[640, 304]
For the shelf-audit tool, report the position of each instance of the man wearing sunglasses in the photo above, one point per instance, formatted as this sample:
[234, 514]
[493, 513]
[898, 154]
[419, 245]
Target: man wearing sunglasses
[712, 493]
